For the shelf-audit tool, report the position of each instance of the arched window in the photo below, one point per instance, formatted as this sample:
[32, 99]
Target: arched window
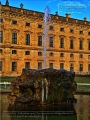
[80, 56]
[61, 54]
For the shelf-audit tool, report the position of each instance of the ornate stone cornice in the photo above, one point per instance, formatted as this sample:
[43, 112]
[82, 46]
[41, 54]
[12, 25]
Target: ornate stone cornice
[15, 30]
[62, 36]
[28, 31]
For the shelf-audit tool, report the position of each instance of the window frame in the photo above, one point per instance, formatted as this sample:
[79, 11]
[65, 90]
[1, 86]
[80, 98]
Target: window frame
[39, 65]
[71, 55]
[61, 42]
[1, 65]
[62, 29]
[14, 38]
[71, 44]
[1, 36]
[71, 66]
[40, 40]
[50, 65]
[88, 45]
[1, 20]
[27, 52]
[51, 41]
[61, 54]
[61, 65]
[27, 39]
[14, 22]
[40, 26]
[81, 44]
[39, 53]
[27, 65]
[81, 32]
[51, 27]
[27, 24]
[80, 67]
[14, 66]
[14, 51]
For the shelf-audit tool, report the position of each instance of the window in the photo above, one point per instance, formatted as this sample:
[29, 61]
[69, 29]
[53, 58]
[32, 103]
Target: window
[14, 38]
[71, 31]
[27, 65]
[50, 65]
[89, 45]
[61, 65]
[71, 44]
[39, 65]
[39, 40]
[27, 39]
[61, 54]
[80, 44]
[51, 41]
[27, 24]
[88, 67]
[27, 53]
[0, 65]
[51, 54]
[14, 66]
[81, 67]
[1, 51]
[71, 55]
[80, 32]
[39, 53]
[88, 33]
[62, 43]
[89, 56]
[14, 22]
[51, 27]
[71, 66]
[39, 26]
[1, 36]
[14, 52]
[80, 56]
[61, 29]
[1, 20]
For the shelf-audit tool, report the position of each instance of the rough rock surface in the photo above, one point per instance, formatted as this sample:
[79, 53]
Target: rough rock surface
[36, 87]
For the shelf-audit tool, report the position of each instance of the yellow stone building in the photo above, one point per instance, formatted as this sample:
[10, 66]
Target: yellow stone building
[21, 41]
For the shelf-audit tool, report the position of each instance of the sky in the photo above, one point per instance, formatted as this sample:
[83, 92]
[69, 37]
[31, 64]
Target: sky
[77, 8]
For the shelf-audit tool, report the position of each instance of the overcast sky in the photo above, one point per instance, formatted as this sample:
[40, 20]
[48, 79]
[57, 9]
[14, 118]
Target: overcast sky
[77, 8]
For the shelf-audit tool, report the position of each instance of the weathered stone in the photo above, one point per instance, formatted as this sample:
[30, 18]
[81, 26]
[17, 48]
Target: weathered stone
[37, 87]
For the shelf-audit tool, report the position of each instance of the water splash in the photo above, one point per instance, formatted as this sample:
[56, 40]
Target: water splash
[45, 31]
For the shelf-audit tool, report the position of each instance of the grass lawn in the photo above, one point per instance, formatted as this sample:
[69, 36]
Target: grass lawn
[77, 79]
[83, 87]
[82, 79]
[7, 79]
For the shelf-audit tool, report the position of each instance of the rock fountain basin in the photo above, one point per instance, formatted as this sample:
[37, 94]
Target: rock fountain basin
[42, 88]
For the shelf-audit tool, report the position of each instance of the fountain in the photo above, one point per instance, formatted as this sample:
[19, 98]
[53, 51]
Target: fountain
[45, 31]
[27, 93]
[43, 90]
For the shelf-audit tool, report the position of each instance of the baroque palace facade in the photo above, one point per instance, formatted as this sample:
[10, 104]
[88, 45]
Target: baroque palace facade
[21, 41]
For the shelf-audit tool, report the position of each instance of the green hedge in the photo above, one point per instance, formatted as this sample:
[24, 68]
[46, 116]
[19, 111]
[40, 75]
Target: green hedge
[82, 79]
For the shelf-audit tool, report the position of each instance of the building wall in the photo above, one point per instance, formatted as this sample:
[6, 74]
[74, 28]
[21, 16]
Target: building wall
[34, 18]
